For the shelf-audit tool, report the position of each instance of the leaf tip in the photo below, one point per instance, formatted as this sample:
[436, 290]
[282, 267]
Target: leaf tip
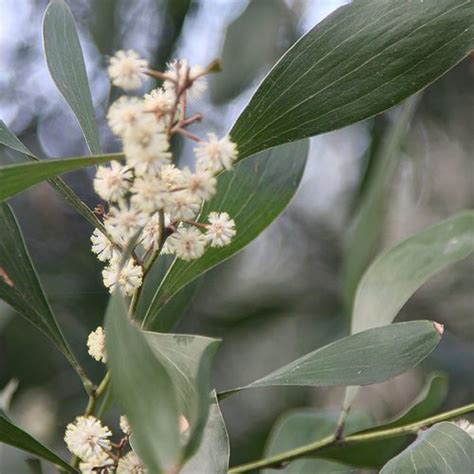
[439, 328]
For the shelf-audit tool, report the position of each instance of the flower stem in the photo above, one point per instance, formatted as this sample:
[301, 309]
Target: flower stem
[376, 434]
[94, 397]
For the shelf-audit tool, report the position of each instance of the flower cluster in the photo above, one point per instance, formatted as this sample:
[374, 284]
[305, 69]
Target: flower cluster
[148, 197]
[89, 440]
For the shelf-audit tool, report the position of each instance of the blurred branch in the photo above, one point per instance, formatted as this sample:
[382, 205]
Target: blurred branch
[280, 460]
[366, 228]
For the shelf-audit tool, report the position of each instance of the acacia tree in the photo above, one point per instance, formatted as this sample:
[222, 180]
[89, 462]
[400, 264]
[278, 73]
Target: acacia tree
[159, 228]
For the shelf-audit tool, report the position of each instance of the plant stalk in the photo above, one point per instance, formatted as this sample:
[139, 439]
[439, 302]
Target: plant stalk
[279, 460]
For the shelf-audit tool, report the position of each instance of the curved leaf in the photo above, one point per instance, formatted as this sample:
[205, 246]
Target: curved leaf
[375, 453]
[187, 359]
[366, 228]
[14, 436]
[362, 59]
[19, 283]
[18, 177]
[173, 309]
[362, 359]
[66, 65]
[400, 271]
[444, 448]
[9, 139]
[213, 454]
[143, 388]
[254, 193]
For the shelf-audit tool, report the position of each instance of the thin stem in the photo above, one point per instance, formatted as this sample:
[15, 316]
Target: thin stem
[94, 397]
[374, 435]
[187, 134]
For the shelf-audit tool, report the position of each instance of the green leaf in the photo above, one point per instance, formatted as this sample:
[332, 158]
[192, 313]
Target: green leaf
[375, 453]
[364, 58]
[362, 359]
[444, 448]
[142, 386]
[305, 426]
[367, 225]
[213, 454]
[34, 465]
[19, 283]
[66, 65]
[263, 24]
[7, 138]
[187, 359]
[254, 193]
[18, 177]
[14, 436]
[175, 307]
[10, 140]
[400, 271]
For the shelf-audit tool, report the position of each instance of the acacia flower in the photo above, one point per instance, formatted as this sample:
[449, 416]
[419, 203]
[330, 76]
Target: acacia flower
[125, 425]
[150, 194]
[124, 113]
[159, 100]
[102, 246]
[221, 229]
[96, 344]
[129, 278]
[123, 221]
[170, 175]
[182, 205]
[130, 464]
[87, 438]
[146, 145]
[151, 232]
[201, 184]
[187, 243]
[180, 68]
[126, 69]
[92, 465]
[215, 154]
[112, 182]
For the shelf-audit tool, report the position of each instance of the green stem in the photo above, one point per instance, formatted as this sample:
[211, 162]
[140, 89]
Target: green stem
[374, 435]
[94, 397]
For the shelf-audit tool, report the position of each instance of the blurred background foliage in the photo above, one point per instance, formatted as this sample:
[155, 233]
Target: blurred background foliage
[289, 291]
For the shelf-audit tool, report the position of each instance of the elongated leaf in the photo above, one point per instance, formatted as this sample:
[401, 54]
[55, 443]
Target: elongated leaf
[14, 436]
[10, 140]
[18, 177]
[7, 138]
[362, 359]
[66, 65]
[399, 272]
[175, 307]
[19, 283]
[373, 453]
[213, 454]
[364, 58]
[367, 225]
[263, 24]
[396, 274]
[254, 194]
[143, 388]
[444, 448]
[187, 359]
[305, 426]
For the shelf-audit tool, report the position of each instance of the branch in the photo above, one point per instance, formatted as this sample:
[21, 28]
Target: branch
[376, 434]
